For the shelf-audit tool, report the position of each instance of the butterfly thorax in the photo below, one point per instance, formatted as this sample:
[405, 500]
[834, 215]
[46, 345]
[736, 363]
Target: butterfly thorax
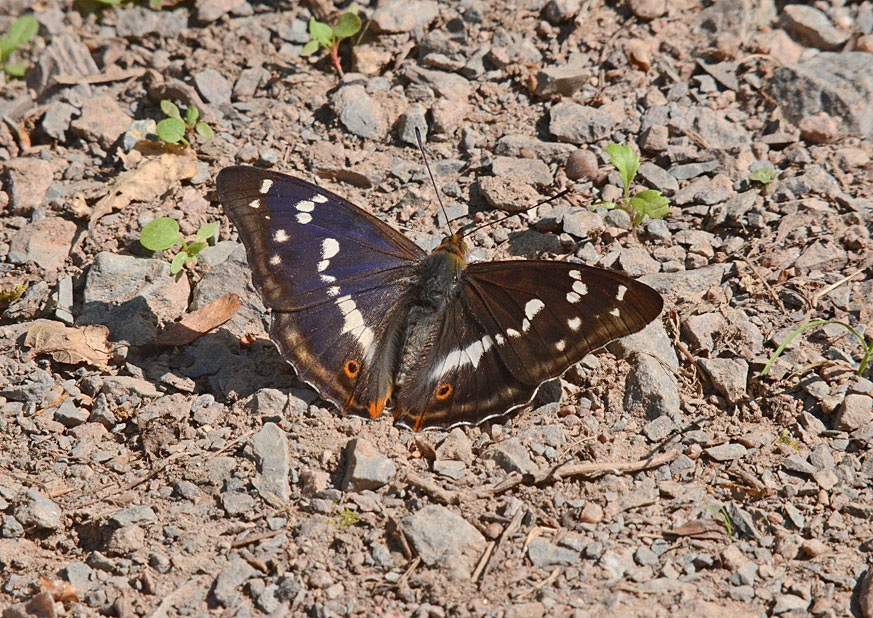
[437, 284]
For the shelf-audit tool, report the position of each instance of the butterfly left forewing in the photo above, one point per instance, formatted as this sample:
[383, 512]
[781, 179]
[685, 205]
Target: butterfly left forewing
[516, 324]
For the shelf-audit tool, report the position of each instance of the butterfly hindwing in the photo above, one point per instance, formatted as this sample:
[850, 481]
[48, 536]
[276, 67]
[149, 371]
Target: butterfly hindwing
[334, 276]
[524, 322]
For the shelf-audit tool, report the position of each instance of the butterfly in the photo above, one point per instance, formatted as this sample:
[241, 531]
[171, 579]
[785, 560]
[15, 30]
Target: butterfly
[367, 317]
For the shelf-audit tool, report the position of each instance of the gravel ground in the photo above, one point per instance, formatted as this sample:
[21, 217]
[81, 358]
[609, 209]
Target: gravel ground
[147, 474]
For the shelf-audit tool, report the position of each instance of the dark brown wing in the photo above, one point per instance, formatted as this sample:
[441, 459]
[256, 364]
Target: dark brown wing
[516, 324]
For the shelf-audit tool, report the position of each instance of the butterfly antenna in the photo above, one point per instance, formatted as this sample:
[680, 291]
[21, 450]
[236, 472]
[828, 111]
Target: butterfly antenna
[512, 214]
[432, 181]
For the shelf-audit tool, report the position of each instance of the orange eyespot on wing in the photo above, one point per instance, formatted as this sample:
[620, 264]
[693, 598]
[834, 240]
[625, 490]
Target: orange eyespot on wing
[443, 390]
[352, 368]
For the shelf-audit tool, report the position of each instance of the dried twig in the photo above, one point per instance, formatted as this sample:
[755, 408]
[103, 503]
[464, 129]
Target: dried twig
[537, 587]
[570, 470]
[433, 490]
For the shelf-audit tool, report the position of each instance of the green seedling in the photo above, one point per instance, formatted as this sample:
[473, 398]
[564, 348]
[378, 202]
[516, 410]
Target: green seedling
[174, 128]
[725, 518]
[868, 347]
[323, 36]
[763, 176]
[24, 29]
[646, 202]
[785, 438]
[11, 294]
[163, 233]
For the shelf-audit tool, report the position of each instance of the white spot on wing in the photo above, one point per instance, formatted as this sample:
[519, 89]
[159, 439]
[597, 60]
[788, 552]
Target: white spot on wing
[533, 307]
[275, 260]
[329, 248]
[322, 265]
[575, 274]
[615, 312]
[305, 206]
[304, 218]
[499, 339]
[255, 203]
[560, 345]
[333, 290]
[265, 186]
[318, 198]
[280, 236]
[525, 325]
[327, 278]
[471, 355]
[621, 292]
[580, 288]
[511, 332]
[574, 323]
[353, 322]
[573, 297]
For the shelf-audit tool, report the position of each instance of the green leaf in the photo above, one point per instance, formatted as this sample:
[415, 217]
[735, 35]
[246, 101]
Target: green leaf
[763, 175]
[170, 110]
[626, 162]
[159, 234]
[171, 130]
[204, 131]
[15, 69]
[192, 115]
[156, 5]
[649, 202]
[195, 247]
[178, 261]
[310, 48]
[320, 32]
[347, 25]
[207, 230]
[606, 205]
[24, 29]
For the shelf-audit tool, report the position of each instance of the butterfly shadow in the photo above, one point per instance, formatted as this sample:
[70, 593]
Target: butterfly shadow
[217, 362]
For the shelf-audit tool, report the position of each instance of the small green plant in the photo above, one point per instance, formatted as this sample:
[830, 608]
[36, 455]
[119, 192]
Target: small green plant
[163, 233]
[763, 176]
[24, 29]
[348, 517]
[11, 294]
[646, 202]
[174, 128]
[323, 36]
[868, 347]
[785, 438]
[725, 518]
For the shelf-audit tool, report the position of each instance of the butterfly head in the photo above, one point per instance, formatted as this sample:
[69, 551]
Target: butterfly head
[454, 247]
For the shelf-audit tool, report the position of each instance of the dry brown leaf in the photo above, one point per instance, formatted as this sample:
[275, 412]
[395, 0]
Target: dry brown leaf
[200, 322]
[151, 179]
[639, 53]
[699, 529]
[71, 345]
[59, 590]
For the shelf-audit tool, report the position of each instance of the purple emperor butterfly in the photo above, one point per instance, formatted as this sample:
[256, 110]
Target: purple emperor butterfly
[366, 316]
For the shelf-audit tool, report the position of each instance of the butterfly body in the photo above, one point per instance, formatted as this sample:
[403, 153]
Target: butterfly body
[364, 315]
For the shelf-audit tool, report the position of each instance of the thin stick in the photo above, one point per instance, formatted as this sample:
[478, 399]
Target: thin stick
[432, 489]
[833, 286]
[537, 587]
[567, 470]
[510, 529]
